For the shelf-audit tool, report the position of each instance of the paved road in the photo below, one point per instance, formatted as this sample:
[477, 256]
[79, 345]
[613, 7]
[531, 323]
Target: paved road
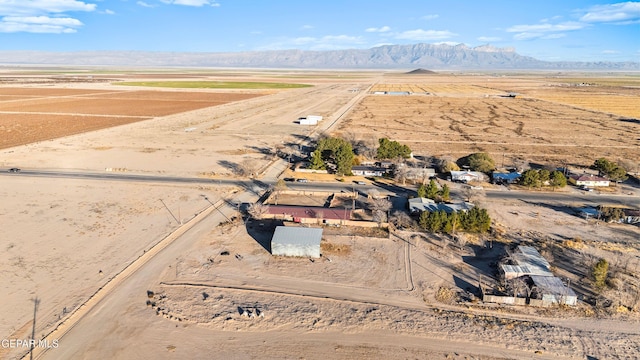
[258, 185]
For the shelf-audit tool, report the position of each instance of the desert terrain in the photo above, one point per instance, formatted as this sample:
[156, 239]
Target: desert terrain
[74, 241]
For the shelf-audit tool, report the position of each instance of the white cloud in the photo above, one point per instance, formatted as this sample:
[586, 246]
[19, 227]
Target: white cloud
[430, 17]
[610, 52]
[306, 27]
[39, 7]
[545, 30]
[144, 4]
[39, 24]
[197, 3]
[41, 16]
[109, 12]
[546, 27]
[617, 13]
[380, 29]
[489, 38]
[425, 35]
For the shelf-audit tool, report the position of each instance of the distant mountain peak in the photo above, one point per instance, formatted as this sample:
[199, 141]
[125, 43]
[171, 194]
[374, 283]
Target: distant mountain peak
[422, 55]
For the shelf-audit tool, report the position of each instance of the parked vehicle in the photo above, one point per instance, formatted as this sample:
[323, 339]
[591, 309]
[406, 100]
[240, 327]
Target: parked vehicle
[14, 170]
[302, 180]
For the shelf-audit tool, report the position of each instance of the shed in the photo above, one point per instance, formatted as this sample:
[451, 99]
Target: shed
[467, 176]
[296, 241]
[588, 180]
[552, 291]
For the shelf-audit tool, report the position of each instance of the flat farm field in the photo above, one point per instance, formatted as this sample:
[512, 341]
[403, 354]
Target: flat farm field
[547, 121]
[29, 115]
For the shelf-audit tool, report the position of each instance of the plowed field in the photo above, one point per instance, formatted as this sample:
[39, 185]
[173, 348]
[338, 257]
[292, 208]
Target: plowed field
[34, 114]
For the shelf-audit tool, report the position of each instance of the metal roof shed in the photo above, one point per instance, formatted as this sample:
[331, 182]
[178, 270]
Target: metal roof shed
[296, 241]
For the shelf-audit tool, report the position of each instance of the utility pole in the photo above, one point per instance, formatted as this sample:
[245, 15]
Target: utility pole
[36, 302]
[174, 217]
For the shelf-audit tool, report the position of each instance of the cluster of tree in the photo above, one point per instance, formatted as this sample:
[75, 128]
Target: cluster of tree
[476, 220]
[388, 149]
[609, 214]
[336, 151]
[431, 191]
[612, 170]
[481, 162]
[543, 177]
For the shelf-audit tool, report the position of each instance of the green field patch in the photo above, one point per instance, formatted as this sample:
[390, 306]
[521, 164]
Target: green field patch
[214, 84]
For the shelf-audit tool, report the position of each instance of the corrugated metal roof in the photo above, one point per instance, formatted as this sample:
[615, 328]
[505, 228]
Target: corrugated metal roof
[296, 241]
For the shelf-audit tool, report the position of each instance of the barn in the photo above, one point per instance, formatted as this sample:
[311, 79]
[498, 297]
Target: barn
[296, 241]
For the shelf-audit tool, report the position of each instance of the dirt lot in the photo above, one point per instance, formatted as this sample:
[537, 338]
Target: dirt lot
[546, 122]
[368, 297]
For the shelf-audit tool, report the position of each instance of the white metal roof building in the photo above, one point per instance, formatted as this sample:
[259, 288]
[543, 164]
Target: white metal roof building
[296, 241]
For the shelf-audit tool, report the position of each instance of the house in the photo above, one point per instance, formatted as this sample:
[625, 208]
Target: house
[368, 170]
[296, 241]
[467, 176]
[505, 178]
[307, 214]
[418, 205]
[588, 180]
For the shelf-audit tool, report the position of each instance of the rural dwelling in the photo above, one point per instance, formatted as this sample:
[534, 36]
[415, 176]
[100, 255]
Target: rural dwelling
[368, 170]
[296, 241]
[588, 180]
[418, 205]
[308, 214]
[505, 178]
[467, 176]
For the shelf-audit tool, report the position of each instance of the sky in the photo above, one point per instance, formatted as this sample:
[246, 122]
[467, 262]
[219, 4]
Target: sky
[552, 30]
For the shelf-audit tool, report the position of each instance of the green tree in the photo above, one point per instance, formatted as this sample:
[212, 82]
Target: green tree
[530, 178]
[388, 149]
[432, 189]
[481, 161]
[335, 150]
[445, 193]
[422, 191]
[611, 169]
[558, 180]
[545, 177]
[599, 273]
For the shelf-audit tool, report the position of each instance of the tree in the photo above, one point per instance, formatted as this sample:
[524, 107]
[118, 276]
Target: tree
[612, 170]
[545, 176]
[432, 189]
[447, 165]
[401, 219]
[445, 193]
[530, 178]
[388, 149]
[599, 273]
[422, 191]
[278, 188]
[401, 173]
[558, 180]
[481, 162]
[379, 207]
[335, 150]
[257, 210]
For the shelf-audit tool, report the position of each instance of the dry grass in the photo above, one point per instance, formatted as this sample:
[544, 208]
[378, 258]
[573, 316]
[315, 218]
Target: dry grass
[328, 248]
[547, 124]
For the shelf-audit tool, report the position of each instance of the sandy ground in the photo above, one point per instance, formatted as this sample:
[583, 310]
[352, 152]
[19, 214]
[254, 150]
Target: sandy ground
[377, 301]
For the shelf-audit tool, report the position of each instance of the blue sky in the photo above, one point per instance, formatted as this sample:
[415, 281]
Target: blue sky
[581, 30]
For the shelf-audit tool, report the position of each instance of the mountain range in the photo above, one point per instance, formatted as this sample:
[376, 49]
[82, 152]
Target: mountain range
[432, 56]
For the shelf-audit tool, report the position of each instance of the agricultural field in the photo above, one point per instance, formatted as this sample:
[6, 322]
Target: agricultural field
[35, 114]
[544, 123]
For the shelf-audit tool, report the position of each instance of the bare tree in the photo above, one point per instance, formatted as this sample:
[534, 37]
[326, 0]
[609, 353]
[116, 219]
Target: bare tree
[518, 287]
[247, 167]
[401, 219]
[379, 207]
[401, 173]
[257, 210]
[277, 189]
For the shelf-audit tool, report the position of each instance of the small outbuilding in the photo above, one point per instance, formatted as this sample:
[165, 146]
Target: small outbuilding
[296, 241]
